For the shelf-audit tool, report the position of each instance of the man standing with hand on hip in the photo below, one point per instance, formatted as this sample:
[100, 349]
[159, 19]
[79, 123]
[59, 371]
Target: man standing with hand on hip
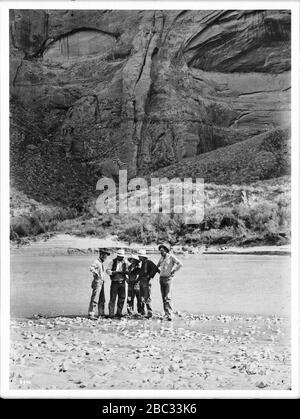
[168, 265]
[98, 296]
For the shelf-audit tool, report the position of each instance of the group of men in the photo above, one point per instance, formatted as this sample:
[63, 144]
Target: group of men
[134, 273]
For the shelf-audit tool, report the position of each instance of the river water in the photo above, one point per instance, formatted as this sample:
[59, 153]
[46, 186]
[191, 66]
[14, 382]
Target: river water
[212, 284]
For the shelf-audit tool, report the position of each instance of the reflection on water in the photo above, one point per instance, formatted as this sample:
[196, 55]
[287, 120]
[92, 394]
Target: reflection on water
[60, 285]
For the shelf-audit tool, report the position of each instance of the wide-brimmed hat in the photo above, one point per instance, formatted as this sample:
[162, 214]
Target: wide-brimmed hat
[142, 253]
[166, 246]
[121, 252]
[133, 257]
[103, 250]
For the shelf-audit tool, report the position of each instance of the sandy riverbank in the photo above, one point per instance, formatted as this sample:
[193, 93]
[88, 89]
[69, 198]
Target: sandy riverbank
[193, 352]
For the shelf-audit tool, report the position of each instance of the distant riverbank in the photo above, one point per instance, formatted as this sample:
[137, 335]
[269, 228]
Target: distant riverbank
[234, 216]
[67, 244]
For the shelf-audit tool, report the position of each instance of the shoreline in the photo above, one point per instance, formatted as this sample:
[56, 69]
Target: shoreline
[66, 244]
[179, 316]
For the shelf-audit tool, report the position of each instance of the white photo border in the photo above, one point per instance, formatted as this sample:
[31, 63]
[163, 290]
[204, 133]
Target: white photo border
[5, 245]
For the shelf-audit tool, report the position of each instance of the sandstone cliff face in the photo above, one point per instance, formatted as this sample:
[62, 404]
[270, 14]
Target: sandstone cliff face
[95, 91]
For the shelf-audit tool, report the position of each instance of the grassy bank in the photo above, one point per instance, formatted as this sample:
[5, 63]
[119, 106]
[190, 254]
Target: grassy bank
[255, 214]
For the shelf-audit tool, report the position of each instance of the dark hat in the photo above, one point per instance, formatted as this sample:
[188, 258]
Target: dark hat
[165, 246]
[103, 250]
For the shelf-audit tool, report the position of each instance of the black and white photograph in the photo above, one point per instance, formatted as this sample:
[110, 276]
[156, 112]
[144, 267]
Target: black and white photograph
[149, 170]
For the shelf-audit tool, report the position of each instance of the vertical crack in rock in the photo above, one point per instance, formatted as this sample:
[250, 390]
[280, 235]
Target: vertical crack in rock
[146, 52]
[17, 72]
[139, 93]
[97, 108]
[11, 31]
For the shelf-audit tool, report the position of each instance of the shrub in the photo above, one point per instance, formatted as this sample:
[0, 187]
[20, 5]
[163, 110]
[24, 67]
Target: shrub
[277, 144]
[39, 222]
[90, 231]
[20, 227]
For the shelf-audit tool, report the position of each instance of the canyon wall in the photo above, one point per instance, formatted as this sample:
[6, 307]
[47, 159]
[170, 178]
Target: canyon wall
[95, 91]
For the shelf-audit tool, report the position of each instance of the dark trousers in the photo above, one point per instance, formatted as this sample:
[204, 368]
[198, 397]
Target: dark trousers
[145, 289]
[166, 290]
[133, 292]
[97, 297]
[117, 289]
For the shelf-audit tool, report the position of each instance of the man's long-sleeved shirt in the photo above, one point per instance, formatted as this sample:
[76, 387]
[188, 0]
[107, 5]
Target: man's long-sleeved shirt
[168, 265]
[97, 269]
[133, 274]
[148, 270]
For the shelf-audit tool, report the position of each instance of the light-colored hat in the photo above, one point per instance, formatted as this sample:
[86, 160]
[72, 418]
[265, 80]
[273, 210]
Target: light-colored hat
[143, 253]
[121, 252]
[133, 257]
[166, 246]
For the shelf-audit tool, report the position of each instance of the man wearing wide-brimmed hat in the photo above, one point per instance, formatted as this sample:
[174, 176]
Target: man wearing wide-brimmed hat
[117, 270]
[148, 270]
[168, 265]
[98, 296]
[133, 290]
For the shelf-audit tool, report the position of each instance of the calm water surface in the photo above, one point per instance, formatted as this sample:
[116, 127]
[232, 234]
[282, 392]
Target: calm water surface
[247, 284]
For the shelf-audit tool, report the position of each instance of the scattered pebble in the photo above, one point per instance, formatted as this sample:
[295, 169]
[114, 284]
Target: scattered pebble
[195, 351]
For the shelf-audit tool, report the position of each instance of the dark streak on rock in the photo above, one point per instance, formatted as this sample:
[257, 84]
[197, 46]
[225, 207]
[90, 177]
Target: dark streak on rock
[17, 72]
[97, 108]
[263, 91]
[47, 43]
[146, 53]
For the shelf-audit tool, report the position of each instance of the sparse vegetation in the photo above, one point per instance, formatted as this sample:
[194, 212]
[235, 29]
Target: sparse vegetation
[244, 215]
[265, 223]
[262, 157]
[38, 222]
